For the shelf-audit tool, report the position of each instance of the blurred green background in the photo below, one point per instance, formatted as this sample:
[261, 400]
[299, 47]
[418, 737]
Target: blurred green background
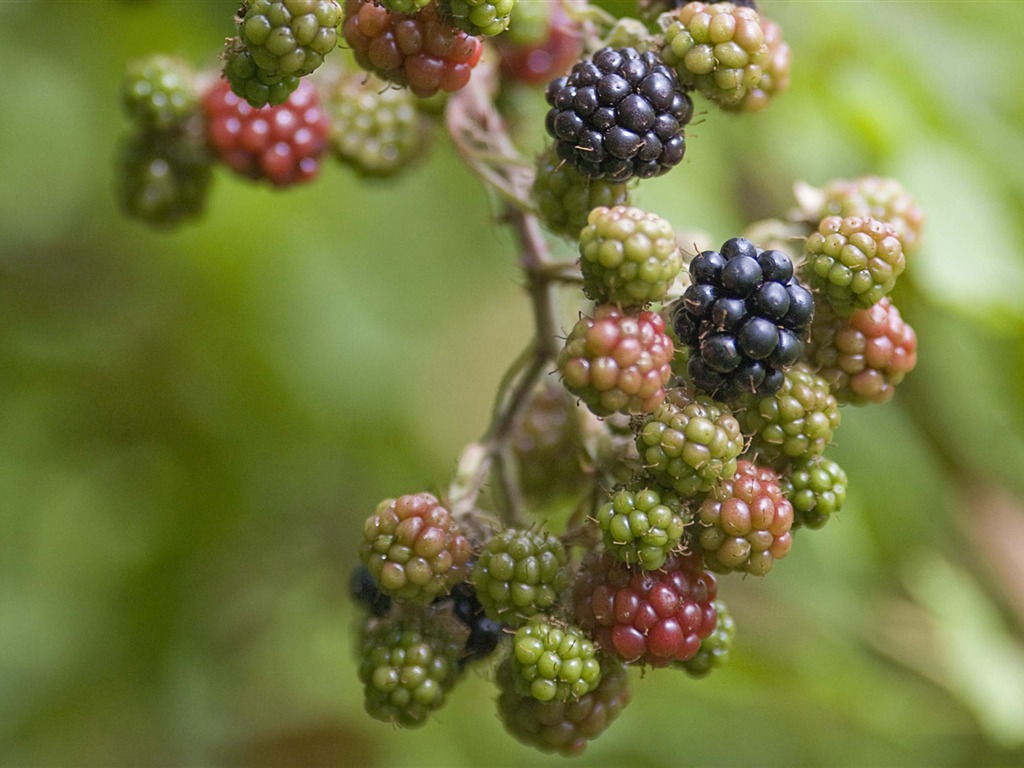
[194, 424]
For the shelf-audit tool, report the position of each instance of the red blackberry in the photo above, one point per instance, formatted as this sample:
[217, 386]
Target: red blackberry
[414, 548]
[864, 356]
[714, 649]
[419, 51]
[281, 144]
[651, 617]
[562, 726]
[745, 522]
[619, 115]
[616, 362]
[744, 317]
[535, 60]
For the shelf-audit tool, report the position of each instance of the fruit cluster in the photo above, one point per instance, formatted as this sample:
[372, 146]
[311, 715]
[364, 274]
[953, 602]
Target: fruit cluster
[684, 435]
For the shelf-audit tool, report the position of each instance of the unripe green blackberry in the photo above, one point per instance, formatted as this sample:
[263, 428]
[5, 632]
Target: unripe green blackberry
[163, 177]
[414, 548]
[864, 356]
[853, 262]
[642, 526]
[796, 422]
[745, 522]
[405, 6]
[816, 488]
[553, 664]
[714, 649]
[689, 442]
[717, 48]
[407, 666]
[479, 17]
[547, 443]
[877, 197]
[377, 129]
[565, 197]
[259, 87]
[530, 22]
[627, 256]
[159, 92]
[562, 726]
[289, 37]
[519, 574]
[776, 72]
[616, 362]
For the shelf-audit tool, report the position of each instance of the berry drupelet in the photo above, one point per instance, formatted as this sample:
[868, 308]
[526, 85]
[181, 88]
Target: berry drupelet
[619, 115]
[744, 317]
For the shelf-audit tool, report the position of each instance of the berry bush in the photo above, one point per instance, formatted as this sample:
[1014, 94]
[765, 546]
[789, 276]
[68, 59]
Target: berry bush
[665, 432]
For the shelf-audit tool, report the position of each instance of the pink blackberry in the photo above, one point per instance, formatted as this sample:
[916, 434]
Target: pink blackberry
[281, 144]
[650, 617]
[617, 363]
[744, 522]
[535, 60]
[418, 50]
[864, 356]
[414, 548]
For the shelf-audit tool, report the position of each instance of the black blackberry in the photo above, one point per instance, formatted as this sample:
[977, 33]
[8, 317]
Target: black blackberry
[744, 318]
[484, 633]
[619, 115]
[363, 589]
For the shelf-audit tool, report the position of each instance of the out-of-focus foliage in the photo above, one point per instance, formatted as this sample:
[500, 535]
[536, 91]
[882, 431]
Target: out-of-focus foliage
[192, 425]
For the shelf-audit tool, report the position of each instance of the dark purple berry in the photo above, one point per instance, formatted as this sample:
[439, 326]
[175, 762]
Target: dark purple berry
[758, 338]
[720, 353]
[741, 276]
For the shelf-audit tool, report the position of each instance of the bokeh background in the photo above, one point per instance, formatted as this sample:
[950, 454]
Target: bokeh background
[193, 424]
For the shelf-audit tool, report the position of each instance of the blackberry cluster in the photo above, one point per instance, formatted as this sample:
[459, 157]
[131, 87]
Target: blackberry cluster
[159, 92]
[619, 115]
[547, 443]
[743, 317]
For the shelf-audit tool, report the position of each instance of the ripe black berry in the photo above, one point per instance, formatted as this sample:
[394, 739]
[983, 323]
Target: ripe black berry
[743, 317]
[619, 115]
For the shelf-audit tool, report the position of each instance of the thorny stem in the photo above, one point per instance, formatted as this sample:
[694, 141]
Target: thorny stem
[482, 139]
